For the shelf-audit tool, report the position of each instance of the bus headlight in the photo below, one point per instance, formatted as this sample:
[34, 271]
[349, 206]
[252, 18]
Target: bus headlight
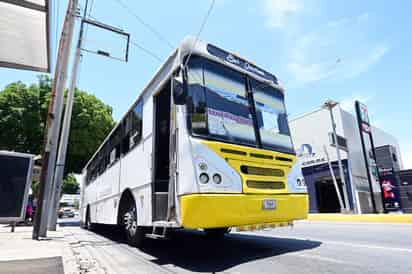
[203, 166]
[217, 179]
[204, 178]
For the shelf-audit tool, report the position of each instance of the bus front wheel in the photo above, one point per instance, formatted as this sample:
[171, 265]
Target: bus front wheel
[134, 233]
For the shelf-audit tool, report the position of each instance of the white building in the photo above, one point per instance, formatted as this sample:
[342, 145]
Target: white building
[311, 134]
[70, 199]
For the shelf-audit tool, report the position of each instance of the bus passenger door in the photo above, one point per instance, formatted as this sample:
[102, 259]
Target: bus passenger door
[161, 151]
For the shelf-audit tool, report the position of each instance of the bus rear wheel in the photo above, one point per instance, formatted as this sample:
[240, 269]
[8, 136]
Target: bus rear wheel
[88, 223]
[216, 233]
[134, 233]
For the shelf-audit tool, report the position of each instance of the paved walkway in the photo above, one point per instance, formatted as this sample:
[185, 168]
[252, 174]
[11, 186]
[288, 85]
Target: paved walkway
[18, 248]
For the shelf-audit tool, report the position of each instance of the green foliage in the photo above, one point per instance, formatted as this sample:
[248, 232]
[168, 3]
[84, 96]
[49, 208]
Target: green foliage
[35, 187]
[70, 185]
[92, 121]
[23, 120]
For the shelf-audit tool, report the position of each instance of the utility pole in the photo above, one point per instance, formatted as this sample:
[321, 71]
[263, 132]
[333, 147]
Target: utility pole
[61, 158]
[53, 122]
[329, 104]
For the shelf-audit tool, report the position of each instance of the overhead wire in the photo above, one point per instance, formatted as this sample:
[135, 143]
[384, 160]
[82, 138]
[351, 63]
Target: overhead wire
[132, 42]
[147, 51]
[212, 4]
[145, 24]
[91, 7]
[159, 35]
[56, 28]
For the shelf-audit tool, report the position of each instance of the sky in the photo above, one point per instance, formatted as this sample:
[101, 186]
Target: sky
[343, 50]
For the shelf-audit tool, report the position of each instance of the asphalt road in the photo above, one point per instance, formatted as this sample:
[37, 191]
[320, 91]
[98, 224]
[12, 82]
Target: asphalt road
[310, 247]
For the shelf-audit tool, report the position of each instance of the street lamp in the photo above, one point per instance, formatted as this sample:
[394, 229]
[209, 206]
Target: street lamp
[330, 104]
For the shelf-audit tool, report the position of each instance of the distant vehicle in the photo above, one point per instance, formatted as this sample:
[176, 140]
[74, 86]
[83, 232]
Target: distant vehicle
[66, 212]
[205, 146]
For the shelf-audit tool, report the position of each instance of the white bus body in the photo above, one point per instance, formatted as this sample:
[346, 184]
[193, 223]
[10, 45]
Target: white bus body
[128, 167]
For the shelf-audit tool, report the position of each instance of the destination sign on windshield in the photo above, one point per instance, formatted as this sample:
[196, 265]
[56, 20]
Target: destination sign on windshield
[229, 57]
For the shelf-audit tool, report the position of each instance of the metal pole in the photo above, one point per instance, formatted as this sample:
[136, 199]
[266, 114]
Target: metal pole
[365, 156]
[61, 158]
[335, 183]
[53, 123]
[342, 175]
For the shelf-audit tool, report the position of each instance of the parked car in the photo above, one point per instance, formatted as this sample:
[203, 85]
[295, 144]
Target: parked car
[66, 212]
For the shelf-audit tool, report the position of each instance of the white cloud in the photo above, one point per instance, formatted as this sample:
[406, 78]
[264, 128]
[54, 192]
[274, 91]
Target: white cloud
[348, 103]
[339, 49]
[279, 11]
[308, 72]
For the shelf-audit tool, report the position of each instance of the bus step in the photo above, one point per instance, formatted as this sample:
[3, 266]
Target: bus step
[156, 236]
[165, 224]
[155, 232]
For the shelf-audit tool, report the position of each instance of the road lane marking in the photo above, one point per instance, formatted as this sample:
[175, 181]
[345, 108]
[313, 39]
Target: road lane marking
[322, 258]
[398, 249]
[387, 248]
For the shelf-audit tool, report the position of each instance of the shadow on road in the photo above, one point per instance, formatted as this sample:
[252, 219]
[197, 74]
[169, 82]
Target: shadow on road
[193, 251]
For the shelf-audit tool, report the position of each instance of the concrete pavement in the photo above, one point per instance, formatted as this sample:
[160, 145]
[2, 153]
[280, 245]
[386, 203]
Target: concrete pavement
[310, 247]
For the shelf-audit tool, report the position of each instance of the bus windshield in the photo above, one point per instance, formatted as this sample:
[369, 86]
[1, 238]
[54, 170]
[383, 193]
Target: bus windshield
[271, 116]
[222, 110]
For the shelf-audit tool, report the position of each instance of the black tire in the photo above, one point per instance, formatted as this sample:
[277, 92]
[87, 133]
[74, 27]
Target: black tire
[135, 234]
[88, 223]
[216, 233]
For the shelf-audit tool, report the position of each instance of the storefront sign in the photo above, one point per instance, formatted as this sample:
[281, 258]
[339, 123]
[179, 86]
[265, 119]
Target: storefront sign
[368, 149]
[390, 189]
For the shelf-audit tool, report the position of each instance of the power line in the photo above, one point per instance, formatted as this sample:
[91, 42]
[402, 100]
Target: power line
[200, 30]
[145, 24]
[91, 7]
[147, 51]
[56, 30]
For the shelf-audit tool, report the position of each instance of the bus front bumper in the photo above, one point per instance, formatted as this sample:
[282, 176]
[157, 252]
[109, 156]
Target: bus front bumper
[233, 210]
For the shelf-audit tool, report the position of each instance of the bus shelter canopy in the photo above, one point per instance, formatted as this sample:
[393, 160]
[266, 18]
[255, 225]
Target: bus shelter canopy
[24, 34]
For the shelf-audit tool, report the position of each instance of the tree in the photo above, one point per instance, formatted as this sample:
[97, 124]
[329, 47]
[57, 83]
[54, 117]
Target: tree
[92, 121]
[20, 118]
[70, 185]
[23, 120]
[35, 186]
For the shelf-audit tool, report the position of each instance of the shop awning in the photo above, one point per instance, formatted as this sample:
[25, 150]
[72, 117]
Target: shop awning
[24, 34]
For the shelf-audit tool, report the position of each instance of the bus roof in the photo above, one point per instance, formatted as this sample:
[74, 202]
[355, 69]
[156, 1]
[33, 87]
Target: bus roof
[232, 60]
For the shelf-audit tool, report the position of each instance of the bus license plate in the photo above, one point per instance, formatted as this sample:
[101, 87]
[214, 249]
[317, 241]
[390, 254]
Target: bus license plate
[269, 204]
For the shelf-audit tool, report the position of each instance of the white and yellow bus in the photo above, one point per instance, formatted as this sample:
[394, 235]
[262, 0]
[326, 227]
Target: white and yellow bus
[205, 146]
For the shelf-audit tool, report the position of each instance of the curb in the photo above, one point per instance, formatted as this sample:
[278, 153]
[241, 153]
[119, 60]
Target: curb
[364, 218]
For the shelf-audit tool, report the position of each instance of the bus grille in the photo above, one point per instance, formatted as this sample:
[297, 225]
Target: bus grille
[260, 171]
[265, 184]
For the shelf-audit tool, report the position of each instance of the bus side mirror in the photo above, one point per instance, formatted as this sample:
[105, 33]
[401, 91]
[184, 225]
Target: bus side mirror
[179, 91]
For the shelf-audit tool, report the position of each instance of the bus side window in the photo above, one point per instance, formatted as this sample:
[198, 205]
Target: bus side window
[112, 156]
[126, 136]
[136, 121]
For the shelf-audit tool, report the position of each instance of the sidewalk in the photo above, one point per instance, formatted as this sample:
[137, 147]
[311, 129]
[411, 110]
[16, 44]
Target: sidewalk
[59, 253]
[365, 218]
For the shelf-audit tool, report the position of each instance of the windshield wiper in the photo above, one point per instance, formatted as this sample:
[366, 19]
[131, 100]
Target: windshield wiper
[227, 132]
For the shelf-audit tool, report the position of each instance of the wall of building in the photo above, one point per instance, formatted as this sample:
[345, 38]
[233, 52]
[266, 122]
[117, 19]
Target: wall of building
[382, 138]
[357, 162]
[313, 129]
[310, 133]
